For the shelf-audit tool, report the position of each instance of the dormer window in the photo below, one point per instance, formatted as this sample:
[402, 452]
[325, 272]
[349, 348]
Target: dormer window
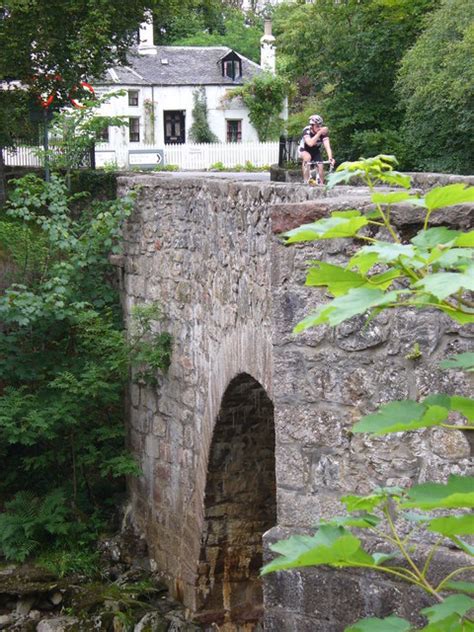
[231, 66]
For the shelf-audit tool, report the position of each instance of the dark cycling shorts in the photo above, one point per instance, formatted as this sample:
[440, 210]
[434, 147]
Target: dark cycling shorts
[314, 152]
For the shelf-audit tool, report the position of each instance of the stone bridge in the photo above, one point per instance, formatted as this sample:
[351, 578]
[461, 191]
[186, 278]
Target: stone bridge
[247, 437]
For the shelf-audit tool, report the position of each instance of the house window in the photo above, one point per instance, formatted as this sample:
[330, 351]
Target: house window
[133, 97]
[134, 129]
[103, 135]
[234, 131]
[231, 66]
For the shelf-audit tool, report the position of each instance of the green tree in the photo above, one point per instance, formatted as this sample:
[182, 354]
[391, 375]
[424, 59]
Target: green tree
[241, 32]
[344, 57]
[436, 86]
[200, 132]
[64, 361]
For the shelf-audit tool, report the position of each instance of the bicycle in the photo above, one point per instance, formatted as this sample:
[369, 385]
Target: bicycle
[314, 178]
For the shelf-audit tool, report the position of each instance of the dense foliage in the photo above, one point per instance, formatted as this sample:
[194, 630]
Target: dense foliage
[436, 85]
[344, 59]
[200, 132]
[63, 364]
[237, 30]
[433, 270]
[264, 95]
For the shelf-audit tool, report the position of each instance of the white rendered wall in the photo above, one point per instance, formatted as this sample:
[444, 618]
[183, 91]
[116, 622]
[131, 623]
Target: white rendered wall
[168, 98]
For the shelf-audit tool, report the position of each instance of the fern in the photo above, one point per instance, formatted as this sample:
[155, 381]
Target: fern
[29, 521]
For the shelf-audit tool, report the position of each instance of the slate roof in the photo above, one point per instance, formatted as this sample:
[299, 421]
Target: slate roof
[186, 65]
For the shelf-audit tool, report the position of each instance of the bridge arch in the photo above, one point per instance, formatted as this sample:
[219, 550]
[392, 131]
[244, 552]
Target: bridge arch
[239, 506]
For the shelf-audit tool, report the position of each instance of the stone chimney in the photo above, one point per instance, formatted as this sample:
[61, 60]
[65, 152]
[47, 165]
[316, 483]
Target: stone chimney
[145, 35]
[267, 47]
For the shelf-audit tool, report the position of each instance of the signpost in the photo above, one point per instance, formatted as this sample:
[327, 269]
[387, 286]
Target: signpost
[146, 158]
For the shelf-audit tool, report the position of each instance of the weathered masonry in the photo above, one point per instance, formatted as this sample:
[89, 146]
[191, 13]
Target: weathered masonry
[247, 438]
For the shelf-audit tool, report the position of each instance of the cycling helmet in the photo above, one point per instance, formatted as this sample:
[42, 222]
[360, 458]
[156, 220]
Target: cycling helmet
[316, 119]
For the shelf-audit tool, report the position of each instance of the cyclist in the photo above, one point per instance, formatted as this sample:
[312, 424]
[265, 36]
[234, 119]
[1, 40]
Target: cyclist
[314, 136]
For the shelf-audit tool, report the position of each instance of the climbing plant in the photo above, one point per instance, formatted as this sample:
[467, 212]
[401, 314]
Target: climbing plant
[264, 95]
[435, 269]
[200, 132]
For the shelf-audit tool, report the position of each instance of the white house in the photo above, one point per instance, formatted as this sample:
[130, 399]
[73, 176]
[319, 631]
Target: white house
[159, 84]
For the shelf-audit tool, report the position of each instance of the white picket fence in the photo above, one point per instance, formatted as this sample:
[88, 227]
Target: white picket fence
[205, 155]
[188, 156]
[22, 157]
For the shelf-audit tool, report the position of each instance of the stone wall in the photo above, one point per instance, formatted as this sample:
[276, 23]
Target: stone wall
[231, 294]
[201, 249]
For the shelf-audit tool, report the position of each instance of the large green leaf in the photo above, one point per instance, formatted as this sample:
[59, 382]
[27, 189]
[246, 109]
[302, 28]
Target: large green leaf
[453, 623]
[370, 501]
[333, 546]
[402, 415]
[338, 280]
[449, 195]
[458, 492]
[459, 258]
[327, 228]
[385, 251]
[393, 197]
[363, 261]
[453, 525]
[461, 361]
[372, 624]
[461, 317]
[458, 403]
[434, 236]
[356, 301]
[466, 240]
[454, 604]
[443, 284]
[465, 587]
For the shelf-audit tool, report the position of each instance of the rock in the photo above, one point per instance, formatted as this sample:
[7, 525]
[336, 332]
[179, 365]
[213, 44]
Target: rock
[24, 605]
[59, 624]
[56, 598]
[151, 622]
[35, 615]
[5, 620]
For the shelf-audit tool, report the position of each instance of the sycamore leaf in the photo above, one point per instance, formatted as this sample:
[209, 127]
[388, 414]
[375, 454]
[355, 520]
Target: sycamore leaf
[466, 240]
[341, 176]
[372, 624]
[396, 178]
[338, 280]
[380, 558]
[356, 301]
[371, 501]
[458, 403]
[454, 604]
[443, 284]
[386, 252]
[400, 416]
[453, 623]
[458, 258]
[456, 314]
[384, 279]
[434, 236]
[461, 361]
[449, 195]
[458, 492]
[466, 587]
[453, 525]
[327, 228]
[333, 546]
[465, 546]
[364, 261]
[393, 197]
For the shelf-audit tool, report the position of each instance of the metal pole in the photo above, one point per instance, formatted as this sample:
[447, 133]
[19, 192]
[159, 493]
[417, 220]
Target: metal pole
[47, 175]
